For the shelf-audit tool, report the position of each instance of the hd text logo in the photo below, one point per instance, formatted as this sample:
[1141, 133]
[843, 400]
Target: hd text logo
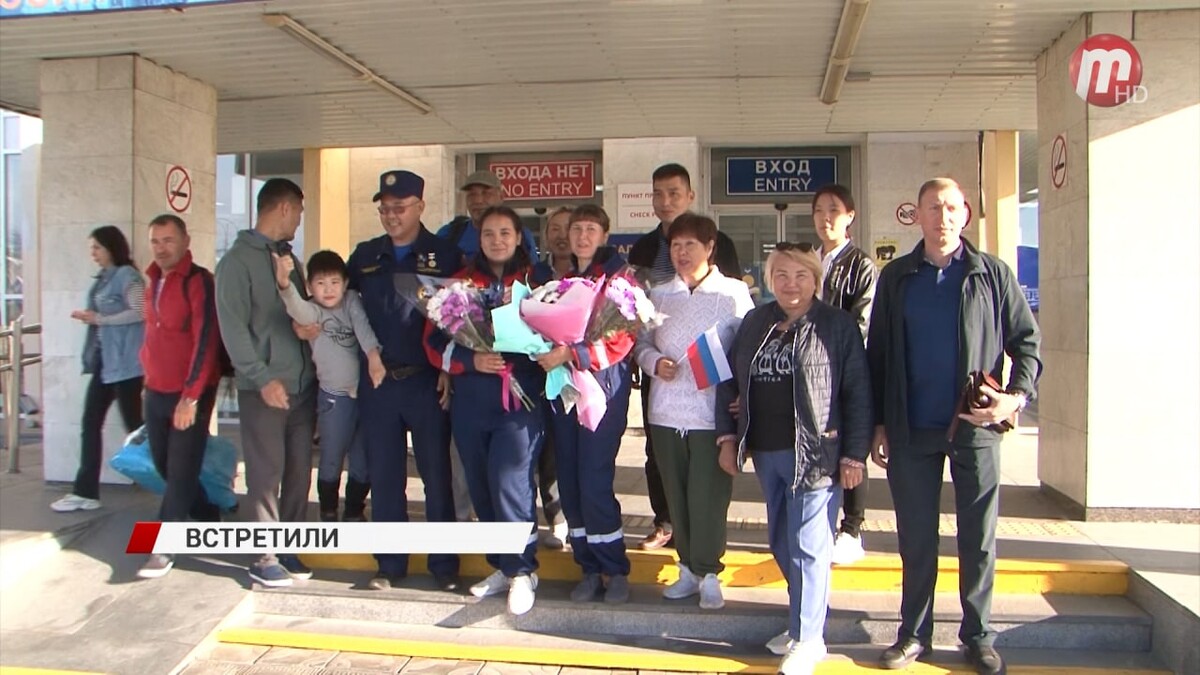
[1106, 70]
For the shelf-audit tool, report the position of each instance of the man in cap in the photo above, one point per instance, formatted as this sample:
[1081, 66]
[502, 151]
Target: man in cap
[483, 190]
[413, 396]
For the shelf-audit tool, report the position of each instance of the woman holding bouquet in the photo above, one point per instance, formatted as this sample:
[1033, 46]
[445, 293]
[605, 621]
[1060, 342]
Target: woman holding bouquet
[498, 438]
[587, 459]
[697, 301]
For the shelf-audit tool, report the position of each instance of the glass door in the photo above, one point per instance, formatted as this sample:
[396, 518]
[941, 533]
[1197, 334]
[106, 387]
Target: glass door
[755, 235]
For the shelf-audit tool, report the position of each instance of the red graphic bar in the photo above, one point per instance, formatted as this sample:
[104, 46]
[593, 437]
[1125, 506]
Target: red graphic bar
[142, 539]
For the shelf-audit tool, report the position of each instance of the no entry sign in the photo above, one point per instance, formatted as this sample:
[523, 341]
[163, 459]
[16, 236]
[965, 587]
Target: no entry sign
[557, 179]
[179, 190]
[906, 213]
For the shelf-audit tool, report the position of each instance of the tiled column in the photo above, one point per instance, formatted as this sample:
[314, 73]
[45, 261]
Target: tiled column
[327, 201]
[1118, 276]
[113, 128]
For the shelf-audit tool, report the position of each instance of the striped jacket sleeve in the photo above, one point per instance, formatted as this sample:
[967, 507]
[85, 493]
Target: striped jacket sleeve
[446, 354]
[203, 361]
[600, 354]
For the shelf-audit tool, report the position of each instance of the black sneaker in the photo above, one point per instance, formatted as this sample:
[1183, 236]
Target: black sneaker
[448, 582]
[986, 660]
[156, 566]
[384, 582]
[272, 575]
[294, 567]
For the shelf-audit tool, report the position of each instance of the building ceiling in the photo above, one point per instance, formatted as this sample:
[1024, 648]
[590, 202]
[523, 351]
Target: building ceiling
[513, 73]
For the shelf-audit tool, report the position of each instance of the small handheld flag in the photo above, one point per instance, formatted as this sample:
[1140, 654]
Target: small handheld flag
[706, 356]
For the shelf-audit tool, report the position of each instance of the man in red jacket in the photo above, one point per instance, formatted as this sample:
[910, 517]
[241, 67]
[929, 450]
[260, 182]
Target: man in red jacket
[180, 360]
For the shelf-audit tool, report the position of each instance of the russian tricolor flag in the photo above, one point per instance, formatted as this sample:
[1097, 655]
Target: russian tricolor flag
[706, 356]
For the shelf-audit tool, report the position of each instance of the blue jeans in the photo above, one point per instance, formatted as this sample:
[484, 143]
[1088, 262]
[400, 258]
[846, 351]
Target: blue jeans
[337, 422]
[800, 527]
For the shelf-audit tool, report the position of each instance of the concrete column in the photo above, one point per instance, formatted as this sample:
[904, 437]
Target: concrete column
[114, 127]
[895, 167]
[1000, 230]
[1118, 278]
[434, 163]
[632, 161]
[327, 201]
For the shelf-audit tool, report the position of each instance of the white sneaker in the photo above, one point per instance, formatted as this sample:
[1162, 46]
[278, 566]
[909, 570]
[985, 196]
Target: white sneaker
[495, 584]
[73, 502]
[780, 644]
[521, 594]
[710, 593]
[687, 586]
[847, 549]
[562, 532]
[802, 658]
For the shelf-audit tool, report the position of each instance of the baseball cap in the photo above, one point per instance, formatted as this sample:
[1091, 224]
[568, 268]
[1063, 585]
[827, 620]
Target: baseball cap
[400, 184]
[484, 178]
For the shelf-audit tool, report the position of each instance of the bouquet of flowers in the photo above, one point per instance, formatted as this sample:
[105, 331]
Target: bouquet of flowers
[624, 307]
[461, 310]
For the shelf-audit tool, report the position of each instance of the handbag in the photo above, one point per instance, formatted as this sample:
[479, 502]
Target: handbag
[972, 396]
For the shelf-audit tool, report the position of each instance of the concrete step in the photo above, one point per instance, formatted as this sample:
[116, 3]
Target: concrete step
[628, 653]
[754, 615]
[750, 569]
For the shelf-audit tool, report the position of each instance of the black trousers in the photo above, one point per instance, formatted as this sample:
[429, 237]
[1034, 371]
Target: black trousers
[854, 507]
[96, 402]
[654, 483]
[178, 455]
[547, 475]
[915, 477]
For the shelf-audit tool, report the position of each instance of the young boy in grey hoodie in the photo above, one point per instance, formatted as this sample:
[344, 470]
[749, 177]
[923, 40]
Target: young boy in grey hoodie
[344, 330]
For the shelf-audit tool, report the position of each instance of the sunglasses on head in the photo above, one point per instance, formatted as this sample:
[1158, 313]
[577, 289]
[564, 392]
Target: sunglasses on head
[803, 246]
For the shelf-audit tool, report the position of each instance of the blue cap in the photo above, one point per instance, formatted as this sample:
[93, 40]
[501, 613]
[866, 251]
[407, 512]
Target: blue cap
[400, 184]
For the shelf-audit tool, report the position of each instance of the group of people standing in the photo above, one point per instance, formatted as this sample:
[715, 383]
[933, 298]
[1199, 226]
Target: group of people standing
[837, 368]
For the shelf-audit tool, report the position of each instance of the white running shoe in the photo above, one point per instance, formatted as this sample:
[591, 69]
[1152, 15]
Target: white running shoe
[687, 586]
[847, 549]
[495, 584]
[780, 644]
[521, 594]
[710, 592]
[73, 502]
[802, 658]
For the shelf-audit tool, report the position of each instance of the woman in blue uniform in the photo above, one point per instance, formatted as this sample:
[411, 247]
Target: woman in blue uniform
[499, 448]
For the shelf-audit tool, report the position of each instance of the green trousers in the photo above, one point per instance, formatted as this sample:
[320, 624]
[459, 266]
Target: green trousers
[698, 494]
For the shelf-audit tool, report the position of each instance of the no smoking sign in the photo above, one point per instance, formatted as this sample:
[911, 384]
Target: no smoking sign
[179, 190]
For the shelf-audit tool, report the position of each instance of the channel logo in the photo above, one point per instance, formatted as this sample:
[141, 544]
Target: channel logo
[1106, 70]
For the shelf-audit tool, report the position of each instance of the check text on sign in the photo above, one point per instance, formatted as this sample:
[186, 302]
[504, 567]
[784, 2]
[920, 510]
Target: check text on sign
[562, 179]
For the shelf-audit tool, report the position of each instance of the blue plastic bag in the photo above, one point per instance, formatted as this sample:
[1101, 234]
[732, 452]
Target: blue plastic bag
[217, 472]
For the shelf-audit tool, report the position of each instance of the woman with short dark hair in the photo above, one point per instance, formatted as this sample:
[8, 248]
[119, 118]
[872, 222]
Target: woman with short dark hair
[115, 329]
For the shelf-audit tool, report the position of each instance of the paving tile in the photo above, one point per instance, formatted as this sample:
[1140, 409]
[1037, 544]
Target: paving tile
[230, 653]
[285, 656]
[501, 668]
[574, 670]
[345, 663]
[213, 668]
[279, 669]
[425, 666]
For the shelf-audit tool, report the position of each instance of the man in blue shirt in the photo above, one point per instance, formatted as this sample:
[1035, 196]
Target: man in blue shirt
[414, 395]
[941, 312]
[483, 190]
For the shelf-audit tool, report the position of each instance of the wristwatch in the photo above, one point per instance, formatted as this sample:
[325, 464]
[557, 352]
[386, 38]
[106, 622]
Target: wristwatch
[190, 402]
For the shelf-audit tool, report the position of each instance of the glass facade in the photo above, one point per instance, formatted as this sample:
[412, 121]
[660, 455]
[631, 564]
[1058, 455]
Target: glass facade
[17, 210]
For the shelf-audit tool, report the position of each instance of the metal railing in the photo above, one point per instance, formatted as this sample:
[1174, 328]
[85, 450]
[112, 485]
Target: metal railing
[13, 361]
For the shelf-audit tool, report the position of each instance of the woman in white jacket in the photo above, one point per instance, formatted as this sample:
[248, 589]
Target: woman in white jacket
[681, 414]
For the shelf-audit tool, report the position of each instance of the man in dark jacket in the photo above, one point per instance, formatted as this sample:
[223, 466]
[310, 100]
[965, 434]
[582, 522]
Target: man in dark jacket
[848, 283]
[673, 195]
[942, 312]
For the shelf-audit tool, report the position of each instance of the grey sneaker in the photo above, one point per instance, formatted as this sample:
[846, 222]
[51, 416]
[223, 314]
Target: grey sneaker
[156, 565]
[617, 590]
[294, 567]
[588, 589]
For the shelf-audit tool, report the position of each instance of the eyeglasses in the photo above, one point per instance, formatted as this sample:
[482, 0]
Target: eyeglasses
[398, 210]
[803, 246]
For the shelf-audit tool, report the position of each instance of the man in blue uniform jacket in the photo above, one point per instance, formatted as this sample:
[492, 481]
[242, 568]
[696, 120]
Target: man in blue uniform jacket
[413, 397]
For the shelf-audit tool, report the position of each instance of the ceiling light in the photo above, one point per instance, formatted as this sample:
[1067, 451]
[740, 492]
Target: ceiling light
[854, 15]
[298, 32]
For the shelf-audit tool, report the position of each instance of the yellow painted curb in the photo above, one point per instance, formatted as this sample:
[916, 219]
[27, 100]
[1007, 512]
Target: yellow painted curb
[661, 661]
[747, 569]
